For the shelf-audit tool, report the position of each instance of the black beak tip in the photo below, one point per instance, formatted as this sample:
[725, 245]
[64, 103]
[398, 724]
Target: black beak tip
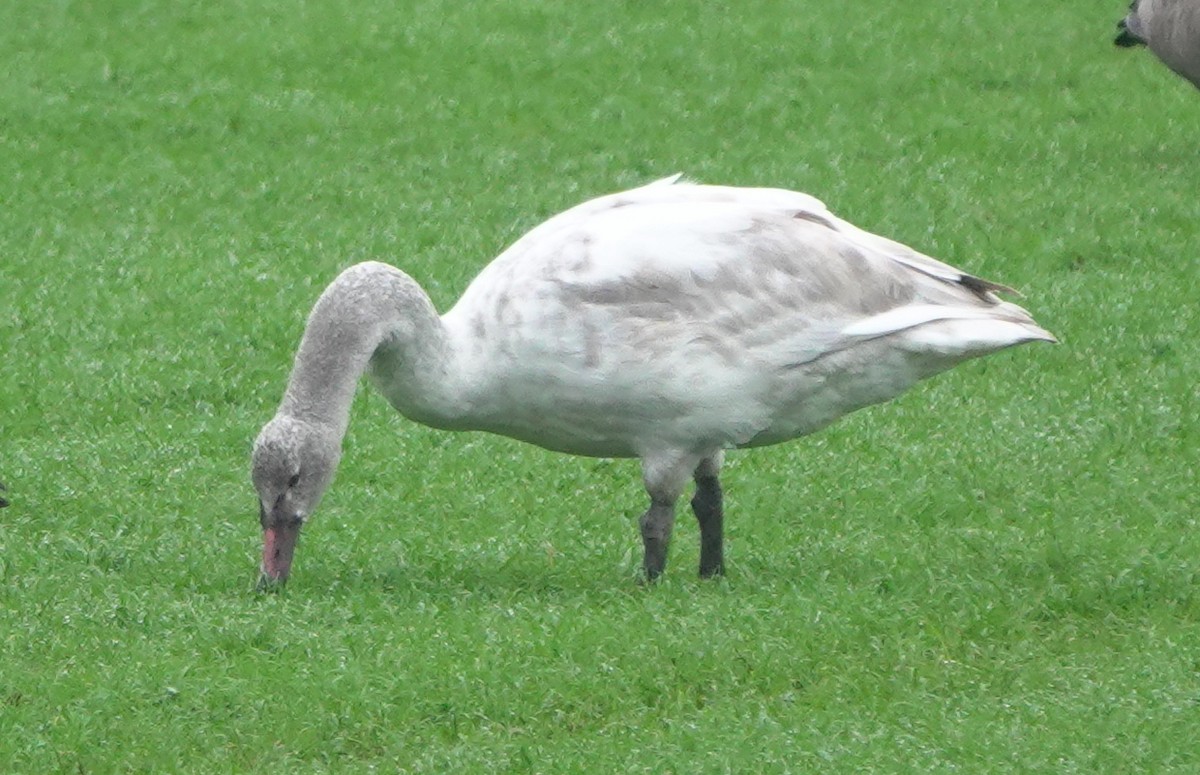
[1125, 38]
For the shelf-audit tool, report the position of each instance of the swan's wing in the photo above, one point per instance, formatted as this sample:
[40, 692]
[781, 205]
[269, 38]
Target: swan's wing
[782, 201]
[789, 281]
[763, 256]
[919, 261]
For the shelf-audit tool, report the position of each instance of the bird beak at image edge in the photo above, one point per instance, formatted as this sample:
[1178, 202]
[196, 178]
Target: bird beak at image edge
[1126, 38]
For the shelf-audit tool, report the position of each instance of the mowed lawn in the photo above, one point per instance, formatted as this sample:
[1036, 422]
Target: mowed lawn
[996, 573]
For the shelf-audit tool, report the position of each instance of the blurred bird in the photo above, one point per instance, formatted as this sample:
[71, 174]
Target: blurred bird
[1170, 28]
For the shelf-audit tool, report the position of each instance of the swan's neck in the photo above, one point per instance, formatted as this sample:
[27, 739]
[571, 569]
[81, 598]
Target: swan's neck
[373, 315]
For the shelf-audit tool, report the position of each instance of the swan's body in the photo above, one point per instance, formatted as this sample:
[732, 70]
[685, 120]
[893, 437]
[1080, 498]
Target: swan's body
[1170, 28]
[667, 323]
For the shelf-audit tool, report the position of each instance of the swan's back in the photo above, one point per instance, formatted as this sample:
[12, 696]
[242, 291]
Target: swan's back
[704, 317]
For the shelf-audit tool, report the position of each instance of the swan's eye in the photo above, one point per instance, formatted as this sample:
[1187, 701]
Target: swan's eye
[295, 480]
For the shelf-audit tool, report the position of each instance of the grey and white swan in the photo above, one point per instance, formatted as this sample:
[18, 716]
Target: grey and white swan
[1170, 28]
[668, 323]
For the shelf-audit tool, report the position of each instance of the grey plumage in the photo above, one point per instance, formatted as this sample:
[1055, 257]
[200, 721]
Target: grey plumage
[1170, 29]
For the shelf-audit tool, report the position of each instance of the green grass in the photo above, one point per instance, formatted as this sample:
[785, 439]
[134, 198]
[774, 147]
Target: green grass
[996, 573]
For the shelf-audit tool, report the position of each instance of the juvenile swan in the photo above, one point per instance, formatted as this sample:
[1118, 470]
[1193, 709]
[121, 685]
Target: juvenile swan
[667, 323]
[1171, 28]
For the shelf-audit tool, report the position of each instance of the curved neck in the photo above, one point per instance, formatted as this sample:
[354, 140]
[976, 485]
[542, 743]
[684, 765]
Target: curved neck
[372, 314]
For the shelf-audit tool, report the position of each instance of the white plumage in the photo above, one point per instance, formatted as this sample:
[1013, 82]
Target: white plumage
[668, 323]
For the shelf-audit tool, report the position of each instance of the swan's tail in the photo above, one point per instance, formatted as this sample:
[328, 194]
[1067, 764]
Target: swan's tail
[955, 332]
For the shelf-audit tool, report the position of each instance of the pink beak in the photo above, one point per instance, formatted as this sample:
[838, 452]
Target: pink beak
[279, 544]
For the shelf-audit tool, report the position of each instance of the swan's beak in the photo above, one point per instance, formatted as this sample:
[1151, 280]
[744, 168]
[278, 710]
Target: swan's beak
[279, 544]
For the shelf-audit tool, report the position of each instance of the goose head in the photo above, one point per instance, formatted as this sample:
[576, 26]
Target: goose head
[292, 465]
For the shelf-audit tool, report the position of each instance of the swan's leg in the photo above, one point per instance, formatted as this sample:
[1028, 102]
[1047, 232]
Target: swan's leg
[665, 477]
[707, 505]
[657, 524]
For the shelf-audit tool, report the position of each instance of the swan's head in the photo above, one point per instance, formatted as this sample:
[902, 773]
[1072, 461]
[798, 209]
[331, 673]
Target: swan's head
[292, 465]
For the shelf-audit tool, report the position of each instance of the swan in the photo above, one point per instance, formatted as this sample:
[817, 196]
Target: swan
[1171, 28]
[668, 323]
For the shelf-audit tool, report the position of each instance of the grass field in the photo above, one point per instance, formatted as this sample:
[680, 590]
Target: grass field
[996, 573]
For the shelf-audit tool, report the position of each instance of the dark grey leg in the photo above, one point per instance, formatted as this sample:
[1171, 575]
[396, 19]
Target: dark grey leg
[665, 474]
[656, 524]
[707, 504]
